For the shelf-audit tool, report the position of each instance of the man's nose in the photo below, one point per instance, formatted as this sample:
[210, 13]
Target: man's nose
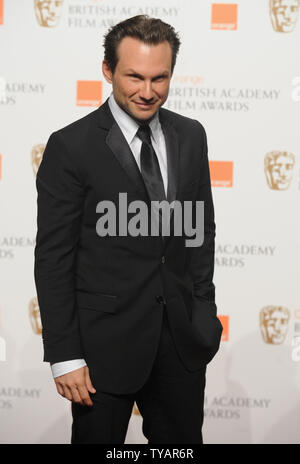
[146, 91]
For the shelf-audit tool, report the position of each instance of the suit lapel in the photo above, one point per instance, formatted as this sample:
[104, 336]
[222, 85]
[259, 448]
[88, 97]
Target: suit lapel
[120, 148]
[172, 146]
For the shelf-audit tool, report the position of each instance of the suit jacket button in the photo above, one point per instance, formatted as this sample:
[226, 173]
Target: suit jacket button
[160, 299]
[163, 260]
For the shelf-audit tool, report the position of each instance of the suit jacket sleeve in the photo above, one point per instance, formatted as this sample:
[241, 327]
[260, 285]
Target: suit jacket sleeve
[60, 205]
[202, 260]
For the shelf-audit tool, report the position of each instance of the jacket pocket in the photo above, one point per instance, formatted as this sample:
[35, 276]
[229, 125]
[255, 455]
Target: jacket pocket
[104, 302]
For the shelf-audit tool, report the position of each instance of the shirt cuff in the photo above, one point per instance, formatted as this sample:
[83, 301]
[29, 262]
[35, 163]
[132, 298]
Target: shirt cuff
[64, 367]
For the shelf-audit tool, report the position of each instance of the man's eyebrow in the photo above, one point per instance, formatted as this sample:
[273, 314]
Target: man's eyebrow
[132, 71]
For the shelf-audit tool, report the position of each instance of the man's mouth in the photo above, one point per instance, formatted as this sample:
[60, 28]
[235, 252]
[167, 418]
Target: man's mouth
[144, 105]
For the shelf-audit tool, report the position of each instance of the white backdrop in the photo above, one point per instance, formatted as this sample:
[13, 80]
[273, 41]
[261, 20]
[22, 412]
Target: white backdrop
[238, 73]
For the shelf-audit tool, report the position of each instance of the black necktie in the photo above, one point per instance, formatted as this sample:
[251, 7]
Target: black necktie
[150, 168]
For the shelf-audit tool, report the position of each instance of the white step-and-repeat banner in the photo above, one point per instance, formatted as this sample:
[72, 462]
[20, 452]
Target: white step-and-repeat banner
[238, 72]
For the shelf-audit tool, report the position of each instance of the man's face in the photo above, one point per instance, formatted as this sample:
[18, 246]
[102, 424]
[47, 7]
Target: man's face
[284, 14]
[142, 77]
[49, 11]
[281, 172]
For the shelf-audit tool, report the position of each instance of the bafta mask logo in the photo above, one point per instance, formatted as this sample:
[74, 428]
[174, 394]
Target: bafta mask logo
[274, 324]
[34, 316]
[48, 12]
[37, 156]
[279, 167]
[284, 14]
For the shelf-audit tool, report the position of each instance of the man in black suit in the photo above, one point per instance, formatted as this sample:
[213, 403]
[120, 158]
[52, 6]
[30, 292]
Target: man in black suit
[128, 317]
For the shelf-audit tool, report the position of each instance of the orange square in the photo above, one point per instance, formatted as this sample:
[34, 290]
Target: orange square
[1, 11]
[225, 323]
[221, 173]
[224, 16]
[89, 93]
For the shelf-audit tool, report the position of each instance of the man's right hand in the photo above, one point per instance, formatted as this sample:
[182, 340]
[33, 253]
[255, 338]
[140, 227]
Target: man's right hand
[76, 386]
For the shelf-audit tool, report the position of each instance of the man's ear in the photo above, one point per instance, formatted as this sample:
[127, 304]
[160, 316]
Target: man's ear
[106, 71]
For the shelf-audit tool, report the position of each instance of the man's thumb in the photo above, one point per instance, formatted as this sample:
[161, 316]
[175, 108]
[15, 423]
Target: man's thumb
[88, 382]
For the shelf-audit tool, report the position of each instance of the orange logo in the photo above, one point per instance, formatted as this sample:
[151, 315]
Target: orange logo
[225, 323]
[221, 173]
[224, 16]
[1, 11]
[89, 93]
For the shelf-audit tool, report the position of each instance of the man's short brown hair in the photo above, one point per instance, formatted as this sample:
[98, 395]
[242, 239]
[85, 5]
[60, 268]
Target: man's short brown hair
[151, 31]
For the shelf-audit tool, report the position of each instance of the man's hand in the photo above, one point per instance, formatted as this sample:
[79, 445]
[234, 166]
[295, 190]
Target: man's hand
[76, 386]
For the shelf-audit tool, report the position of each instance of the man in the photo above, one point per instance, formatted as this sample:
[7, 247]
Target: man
[127, 318]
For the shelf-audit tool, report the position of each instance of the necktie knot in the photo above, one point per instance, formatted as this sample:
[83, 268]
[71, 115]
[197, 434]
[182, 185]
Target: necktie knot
[144, 133]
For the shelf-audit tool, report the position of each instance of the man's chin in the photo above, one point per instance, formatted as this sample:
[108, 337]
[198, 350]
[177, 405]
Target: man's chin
[141, 115]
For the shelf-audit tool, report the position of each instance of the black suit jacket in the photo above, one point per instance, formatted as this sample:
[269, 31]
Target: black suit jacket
[100, 297]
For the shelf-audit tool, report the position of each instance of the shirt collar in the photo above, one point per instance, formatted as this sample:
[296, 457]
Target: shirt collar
[128, 125]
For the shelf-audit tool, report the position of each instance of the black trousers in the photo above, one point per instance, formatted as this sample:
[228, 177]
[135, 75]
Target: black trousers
[170, 402]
